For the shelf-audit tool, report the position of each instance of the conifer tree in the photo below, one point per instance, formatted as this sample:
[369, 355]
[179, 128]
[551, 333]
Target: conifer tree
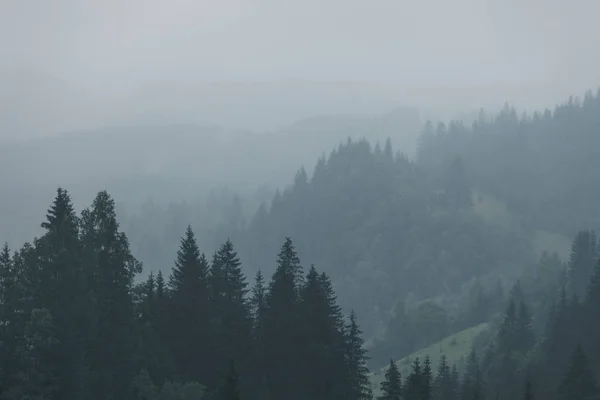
[583, 257]
[455, 383]
[528, 391]
[62, 285]
[391, 387]
[38, 377]
[444, 387]
[427, 380]
[112, 268]
[472, 384]
[258, 311]
[190, 328]
[578, 383]
[525, 337]
[282, 323]
[357, 381]
[232, 323]
[229, 388]
[9, 313]
[413, 387]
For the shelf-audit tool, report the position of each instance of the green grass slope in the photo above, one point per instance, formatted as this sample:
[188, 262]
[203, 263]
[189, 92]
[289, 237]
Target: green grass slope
[495, 212]
[454, 347]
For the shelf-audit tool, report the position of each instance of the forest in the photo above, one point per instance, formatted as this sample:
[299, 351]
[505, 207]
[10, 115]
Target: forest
[489, 229]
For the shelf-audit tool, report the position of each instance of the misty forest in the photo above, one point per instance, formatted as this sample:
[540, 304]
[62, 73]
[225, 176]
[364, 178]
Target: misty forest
[299, 200]
[457, 273]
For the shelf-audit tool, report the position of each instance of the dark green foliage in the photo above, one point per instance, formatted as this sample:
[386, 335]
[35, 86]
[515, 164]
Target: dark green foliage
[446, 383]
[61, 286]
[578, 382]
[533, 164]
[528, 391]
[584, 254]
[229, 389]
[357, 383]
[111, 268]
[74, 325]
[391, 387]
[189, 311]
[231, 322]
[472, 387]
[282, 319]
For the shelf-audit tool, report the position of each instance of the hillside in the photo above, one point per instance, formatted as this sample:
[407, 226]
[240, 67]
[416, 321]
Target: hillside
[172, 163]
[455, 347]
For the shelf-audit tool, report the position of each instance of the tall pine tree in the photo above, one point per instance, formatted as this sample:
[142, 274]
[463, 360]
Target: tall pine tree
[112, 268]
[191, 331]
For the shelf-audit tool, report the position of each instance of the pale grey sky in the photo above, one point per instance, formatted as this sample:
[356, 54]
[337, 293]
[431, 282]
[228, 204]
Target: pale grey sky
[416, 51]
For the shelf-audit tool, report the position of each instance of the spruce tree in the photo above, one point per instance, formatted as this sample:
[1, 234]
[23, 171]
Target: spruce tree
[282, 326]
[528, 391]
[10, 318]
[525, 337]
[583, 257]
[413, 387]
[232, 321]
[229, 388]
[191, 334]
[357, 381]
[427, 381]
[391, 387]
[324, 344]
[444, 387]
[472, 384]
[63, 289]
[455, 393]
[258, 310]
[578, 383]
[112, 268]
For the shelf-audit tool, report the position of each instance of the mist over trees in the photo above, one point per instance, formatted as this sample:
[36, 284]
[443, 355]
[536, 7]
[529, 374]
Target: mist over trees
[367, 260]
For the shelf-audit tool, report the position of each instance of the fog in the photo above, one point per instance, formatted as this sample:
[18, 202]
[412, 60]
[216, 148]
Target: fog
[405, 181]
[262, 64]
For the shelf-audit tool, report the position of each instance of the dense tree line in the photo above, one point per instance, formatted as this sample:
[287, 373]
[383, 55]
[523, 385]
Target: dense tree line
[404, 247]
[74, 325]
[557, 357]
[534, 163]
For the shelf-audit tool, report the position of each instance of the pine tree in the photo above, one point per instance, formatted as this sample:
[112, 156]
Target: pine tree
[112, 268]
[472, 384]
[427, 379]
[191, 334]
[316, 341]
[583, 257]
[578, 382]
[282, 322]
[229, 388]
[358, 383]
[413, 388]
[10, 318]
[525, 337]
[528, 391]
[455, 393]
[62, 284]
[232, 321]
[258, 310]
[391, 387]
[506, 334]
[444, 387]
[38, 377]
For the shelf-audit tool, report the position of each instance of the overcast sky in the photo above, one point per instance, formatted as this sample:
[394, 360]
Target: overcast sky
[115, 46]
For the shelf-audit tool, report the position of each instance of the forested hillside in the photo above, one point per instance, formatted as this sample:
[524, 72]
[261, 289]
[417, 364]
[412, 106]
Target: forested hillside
[73, 325]
[419, 247]
[541, 165]
[174, 163]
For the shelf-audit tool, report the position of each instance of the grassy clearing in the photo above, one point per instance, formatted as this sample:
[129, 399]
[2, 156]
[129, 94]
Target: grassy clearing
[454, 347]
